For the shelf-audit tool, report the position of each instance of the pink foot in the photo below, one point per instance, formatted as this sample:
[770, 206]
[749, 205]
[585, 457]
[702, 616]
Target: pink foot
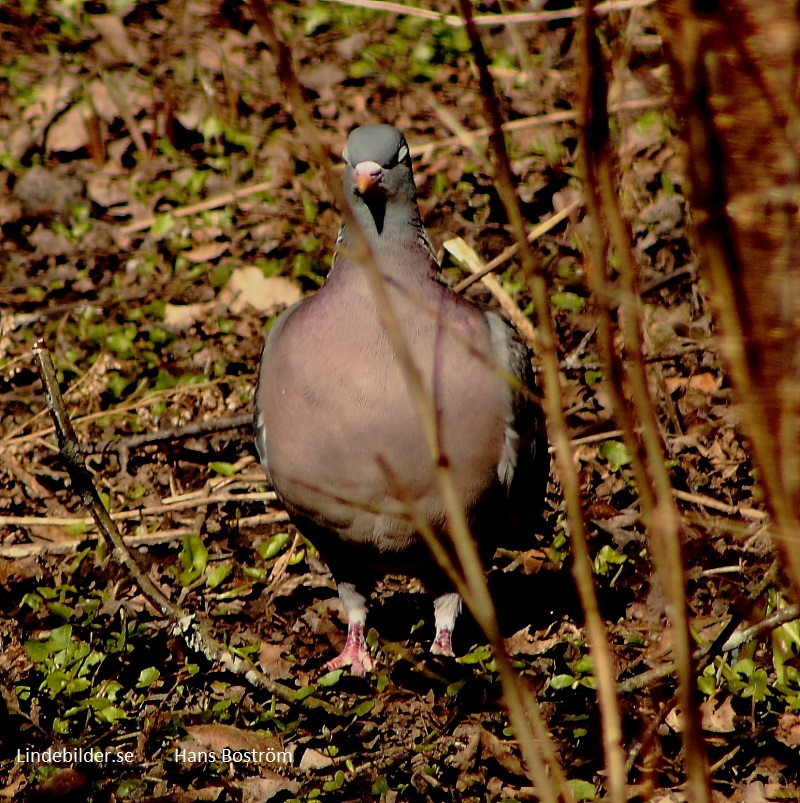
[443, 643]
[354, 654]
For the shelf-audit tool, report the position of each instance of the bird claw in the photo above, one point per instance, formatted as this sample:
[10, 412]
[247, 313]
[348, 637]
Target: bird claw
[355, 653]
[443, 643]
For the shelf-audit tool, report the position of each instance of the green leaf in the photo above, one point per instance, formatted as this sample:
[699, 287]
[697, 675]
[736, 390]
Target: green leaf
[758, 688]
[789, 635]
[162, 224]
[273, 545]
[33, 601]
[558, 682]
[298, 556]
[454, 688]
[304, 691]
[592, 377]
[571, 302]
[38, 651]
[60, 726]
[309, 208]
[583, 790]
[127, 788]
[224, 469]
[61, 610]
[194, 554]
[56, 682]
[477, 655]
[616, 454]
[60, 638]
[147, 677]
[331, 678]
[336, 783]
[707, 684]
[744, 667]
[218, 574]
[78, 685]
[111, 714]
[606, 557]
[316, 18]
[363, 708]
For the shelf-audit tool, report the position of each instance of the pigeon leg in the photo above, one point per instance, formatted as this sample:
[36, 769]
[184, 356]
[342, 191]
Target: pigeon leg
[445, 610]
[355, 653]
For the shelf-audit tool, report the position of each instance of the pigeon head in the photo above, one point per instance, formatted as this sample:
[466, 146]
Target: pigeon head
[378, 165]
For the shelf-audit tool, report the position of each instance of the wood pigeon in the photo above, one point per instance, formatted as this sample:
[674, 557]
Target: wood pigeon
[336, 430]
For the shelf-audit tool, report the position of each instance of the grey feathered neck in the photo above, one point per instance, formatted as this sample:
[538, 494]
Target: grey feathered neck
[388, 209]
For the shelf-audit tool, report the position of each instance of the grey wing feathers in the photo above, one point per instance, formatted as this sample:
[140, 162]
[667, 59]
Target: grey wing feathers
[523, 418]
[258, 421]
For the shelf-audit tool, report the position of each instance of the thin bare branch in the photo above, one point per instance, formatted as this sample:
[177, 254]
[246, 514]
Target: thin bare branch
[659, 511]
[514, 18]
[507, 253]
[557, 429]
[195, 632]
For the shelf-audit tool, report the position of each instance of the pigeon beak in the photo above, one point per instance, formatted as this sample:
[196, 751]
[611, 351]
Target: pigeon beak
[368, 176]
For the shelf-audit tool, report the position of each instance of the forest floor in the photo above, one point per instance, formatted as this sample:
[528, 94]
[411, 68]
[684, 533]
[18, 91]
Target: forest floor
[152, 286]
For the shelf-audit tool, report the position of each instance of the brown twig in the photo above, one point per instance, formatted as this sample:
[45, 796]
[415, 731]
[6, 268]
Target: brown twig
[729, 638]
[557, 429]
[424, 149]
[514, 18]
[657, 504]
[175, 433]
[123, 107]
[119, 410]
[138, 513]
[507, 253]
[17, 551]
[193, 631]
[201, 206]
[534, 122]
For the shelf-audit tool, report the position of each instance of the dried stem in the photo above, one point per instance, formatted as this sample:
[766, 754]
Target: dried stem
[557, 428]
[513, 18]
[194, 632]
[736, 246]
[659, 511]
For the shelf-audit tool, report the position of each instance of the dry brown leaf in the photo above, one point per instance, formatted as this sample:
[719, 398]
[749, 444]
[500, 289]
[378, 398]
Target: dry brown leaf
[788, 730]
[524, 643]
[248, 287]
[719, 719]
[68, 133]
[181, 316]
[674, 720]
[314, 760]
[217, 737]
[108, 187]
[98, 94]
[755, 792]
[205, 252]
[272, 662]
[265, 787]
[51, 97]
[501, 751]
[705, 382]
[115, 36]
